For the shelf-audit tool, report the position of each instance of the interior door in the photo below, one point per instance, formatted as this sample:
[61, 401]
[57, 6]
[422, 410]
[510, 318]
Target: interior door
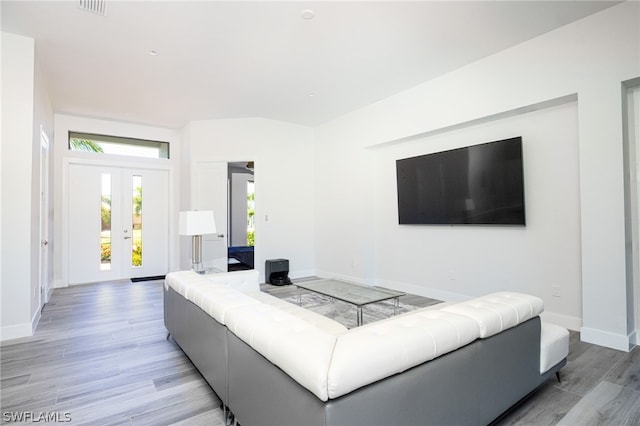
[118, 224]
[210, 189]
[44, 219]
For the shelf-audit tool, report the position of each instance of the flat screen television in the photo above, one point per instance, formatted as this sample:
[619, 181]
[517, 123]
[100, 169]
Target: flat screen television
[477, 185]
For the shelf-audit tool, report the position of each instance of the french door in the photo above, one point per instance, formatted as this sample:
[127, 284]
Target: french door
[118, 223]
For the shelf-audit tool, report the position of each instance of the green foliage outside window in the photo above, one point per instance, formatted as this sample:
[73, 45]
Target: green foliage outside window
[105, 252]
[136, 257]
[251, 233]
[77, 144]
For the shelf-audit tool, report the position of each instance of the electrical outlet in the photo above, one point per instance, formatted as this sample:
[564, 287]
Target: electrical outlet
[555, 291]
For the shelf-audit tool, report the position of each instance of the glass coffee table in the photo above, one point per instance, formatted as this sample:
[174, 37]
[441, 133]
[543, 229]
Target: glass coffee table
[354, 294]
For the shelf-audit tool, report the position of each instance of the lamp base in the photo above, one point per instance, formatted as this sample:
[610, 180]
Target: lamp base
[198, 268]
[196, 251]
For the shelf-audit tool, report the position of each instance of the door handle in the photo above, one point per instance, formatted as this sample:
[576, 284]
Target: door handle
[127, 238]
[44, 242]
[220, 235]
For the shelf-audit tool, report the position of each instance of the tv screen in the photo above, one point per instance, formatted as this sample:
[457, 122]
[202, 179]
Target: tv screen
[479, 184]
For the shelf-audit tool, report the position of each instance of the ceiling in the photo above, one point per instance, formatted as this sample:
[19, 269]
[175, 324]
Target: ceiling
[239, 59]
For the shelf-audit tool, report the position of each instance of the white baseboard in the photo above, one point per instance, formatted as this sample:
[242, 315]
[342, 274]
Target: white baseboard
[431, 293]
[349, 278]
[620, 342]
[566, 321]
[301, 274]
[18, 331]
[59, 284]
[10, 332]
[342, 277]
[399, 286]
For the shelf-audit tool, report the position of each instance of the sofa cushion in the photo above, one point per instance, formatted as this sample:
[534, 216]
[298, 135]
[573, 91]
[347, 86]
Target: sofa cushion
[217, 300]
[377, 350]
[313, 318]
[300, 349]
[244, 281]
[215, 293]
[181, 280]
[499, 311]
[554, 345]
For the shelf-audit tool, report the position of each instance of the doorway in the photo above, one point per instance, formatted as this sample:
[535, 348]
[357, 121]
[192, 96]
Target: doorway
[45, 283]
[241, 215]
[117, 222]
[631, 114]
[214, 184]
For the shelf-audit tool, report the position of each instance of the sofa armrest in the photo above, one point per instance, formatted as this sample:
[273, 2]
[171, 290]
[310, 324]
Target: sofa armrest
[554, 345]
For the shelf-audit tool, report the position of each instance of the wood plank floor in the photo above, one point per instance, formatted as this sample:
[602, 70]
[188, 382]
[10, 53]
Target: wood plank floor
[99, 356]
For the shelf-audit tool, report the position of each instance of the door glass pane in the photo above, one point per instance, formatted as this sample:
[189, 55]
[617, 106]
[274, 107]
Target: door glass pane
[251, 209]
[136, 220]
[105, 226]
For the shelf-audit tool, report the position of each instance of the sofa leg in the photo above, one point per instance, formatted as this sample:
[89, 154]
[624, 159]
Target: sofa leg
[168, 335]
[558, 376]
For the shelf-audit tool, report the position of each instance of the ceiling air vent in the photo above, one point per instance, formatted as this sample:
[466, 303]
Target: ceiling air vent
[99, 7]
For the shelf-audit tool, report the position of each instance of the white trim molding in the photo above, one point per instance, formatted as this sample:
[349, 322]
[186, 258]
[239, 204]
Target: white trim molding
[620, 342]
[566, 321]
[10, 332]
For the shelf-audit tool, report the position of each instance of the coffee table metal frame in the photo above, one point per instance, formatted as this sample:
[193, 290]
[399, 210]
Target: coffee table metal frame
[353, 294]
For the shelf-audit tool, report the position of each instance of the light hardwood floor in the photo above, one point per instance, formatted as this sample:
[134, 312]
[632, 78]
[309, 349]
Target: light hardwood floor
[99, 356]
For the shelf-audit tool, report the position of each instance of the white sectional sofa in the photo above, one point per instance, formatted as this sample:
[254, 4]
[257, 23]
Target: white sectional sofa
[274, 363]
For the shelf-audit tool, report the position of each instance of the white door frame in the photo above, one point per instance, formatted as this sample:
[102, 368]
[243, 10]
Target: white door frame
[43, 262]
[209, 191]
[632, 201]
[67, 162]
[208, 195]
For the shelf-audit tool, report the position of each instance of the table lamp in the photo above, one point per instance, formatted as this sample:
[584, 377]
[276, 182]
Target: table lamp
[197, 223]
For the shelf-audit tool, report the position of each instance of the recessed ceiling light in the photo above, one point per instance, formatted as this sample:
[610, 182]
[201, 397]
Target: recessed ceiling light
[307, 14]
[152, 52]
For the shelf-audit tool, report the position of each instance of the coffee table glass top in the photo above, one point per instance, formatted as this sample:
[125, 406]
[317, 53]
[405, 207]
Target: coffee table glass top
[354, 294]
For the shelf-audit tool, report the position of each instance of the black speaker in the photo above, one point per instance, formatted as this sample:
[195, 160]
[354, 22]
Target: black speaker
[277, 271]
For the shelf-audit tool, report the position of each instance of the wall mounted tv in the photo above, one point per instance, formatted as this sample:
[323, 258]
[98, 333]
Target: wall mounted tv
[478, 185]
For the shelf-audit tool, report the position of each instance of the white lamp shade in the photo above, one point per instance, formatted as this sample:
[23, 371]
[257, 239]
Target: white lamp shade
[197, 222]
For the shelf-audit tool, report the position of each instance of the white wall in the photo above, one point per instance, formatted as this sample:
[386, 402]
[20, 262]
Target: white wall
[283, 155]
[65, 123]
[456, 262]
[589, 58]
[17, 272]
